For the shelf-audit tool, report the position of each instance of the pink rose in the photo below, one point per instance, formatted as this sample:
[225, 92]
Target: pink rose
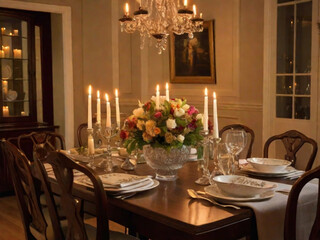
[158, 115]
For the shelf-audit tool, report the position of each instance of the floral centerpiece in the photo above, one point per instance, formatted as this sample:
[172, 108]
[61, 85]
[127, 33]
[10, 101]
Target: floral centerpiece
[171, 128]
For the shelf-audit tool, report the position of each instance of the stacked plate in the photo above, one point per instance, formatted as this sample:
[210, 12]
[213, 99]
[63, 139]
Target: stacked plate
[121, 183]
[230, 188]
[270, 167]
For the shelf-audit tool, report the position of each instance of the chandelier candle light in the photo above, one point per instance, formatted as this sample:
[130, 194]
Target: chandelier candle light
[157, 18]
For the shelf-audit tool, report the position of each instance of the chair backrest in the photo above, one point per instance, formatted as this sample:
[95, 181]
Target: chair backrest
[82, 135]
[250, 137]
[27, 189]
[291, 211]
[63, 168]
[293, 141]
[41, 144]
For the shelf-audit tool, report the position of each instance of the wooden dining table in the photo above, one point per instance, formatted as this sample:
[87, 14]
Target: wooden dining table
[167, 212]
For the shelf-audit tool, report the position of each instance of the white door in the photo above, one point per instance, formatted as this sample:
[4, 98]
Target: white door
[291, 52]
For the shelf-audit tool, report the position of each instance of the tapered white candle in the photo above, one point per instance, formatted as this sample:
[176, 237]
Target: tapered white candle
[108, 116]
[185, 3]
[205, 112]
[215, 117]
[90, 144]
[126, 9]
[98, 108]
[158, 98]
[167, 92]
[117, 109]
[194, 10]
[89, 109]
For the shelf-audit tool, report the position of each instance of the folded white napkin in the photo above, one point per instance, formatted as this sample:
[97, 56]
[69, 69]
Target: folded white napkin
[120, 180]
[50, 172]
[270, 214]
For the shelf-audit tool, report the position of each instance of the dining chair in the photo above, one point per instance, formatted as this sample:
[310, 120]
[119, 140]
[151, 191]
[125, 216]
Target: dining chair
[291, 210]
[293, 141]
[28, 189]
[41, 144]
[82, 134]
[246, 153]
[63, 168]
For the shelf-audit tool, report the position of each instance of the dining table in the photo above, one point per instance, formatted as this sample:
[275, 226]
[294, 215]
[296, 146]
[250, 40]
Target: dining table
[167, 211]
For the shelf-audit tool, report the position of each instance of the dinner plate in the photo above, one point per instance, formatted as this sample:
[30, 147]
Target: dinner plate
[6, 71]
[215, 192]
[253, 171]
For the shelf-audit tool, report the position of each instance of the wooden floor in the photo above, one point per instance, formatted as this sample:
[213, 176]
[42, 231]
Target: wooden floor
[11, 225]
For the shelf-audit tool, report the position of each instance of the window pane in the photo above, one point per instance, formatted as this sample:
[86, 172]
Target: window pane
[303, 85]
[302, 108]
[303, 37]
[284, 85]
[282, 1]
[285, 39]
[284, 107]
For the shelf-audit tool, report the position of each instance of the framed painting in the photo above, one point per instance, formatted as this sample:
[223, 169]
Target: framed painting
[193, 60]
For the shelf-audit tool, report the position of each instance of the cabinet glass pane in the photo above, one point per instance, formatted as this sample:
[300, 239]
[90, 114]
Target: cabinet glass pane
[303, 37]
[284, 84]
[285, 30]
[303, 85]
[302, 108]
[284, 107]
[282, 1]
[14, 67]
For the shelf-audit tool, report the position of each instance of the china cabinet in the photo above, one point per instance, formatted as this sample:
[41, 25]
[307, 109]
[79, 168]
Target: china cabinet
[26, 98]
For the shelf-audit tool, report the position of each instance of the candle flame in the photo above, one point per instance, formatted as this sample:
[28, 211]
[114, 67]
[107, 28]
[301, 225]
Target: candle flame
[116, 92]
[200, 15]
[107, 97]
[127, 9]
[158, 87]
[90, 89]
[214, 95]
[194, 10]
[206, 91]
[98, 94]
[167, 86]
[185, 3]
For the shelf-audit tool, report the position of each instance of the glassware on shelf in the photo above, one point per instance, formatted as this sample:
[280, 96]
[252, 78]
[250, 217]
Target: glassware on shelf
[236, 141]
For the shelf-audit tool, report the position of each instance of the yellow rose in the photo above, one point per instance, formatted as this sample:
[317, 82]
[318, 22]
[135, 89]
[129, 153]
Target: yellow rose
[169, 137]
[146, 137]
[140, 125]
[150, 126]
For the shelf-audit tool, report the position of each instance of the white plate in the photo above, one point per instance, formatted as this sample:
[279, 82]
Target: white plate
[271, 165]
[215, 192]
[6, 71]
[12, 95]
[252, 171]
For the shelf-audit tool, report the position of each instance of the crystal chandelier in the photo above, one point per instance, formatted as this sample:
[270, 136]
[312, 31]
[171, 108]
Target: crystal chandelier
[157, 18]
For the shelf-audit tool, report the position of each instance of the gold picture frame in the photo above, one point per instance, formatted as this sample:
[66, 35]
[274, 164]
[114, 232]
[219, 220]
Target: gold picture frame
[193, 60]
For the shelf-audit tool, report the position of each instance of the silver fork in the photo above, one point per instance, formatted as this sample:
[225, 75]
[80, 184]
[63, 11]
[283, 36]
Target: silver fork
[194, 194]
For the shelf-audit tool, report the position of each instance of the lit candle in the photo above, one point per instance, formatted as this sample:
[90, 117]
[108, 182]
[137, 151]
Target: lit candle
[194, 10]
[6, 51]
[3, 29]
[15, 32]
[205, 112]
[17, 53]
[215, 117]
[200, 15]
[108, 116]
[157, 97]
[126, 11]
[4, 88]
[2, 54]
[10, 34]
[117, 109]
[98, 108]
[185, 3]
[167, 92]
[89, 109]
[5, 111]
[90, 144]
[23, 113]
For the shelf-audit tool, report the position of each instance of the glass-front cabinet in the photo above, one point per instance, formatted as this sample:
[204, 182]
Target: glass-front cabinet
[15, 60]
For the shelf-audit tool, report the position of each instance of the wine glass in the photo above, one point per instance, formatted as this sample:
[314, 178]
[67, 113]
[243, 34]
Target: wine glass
[236, 141]
[224, 158]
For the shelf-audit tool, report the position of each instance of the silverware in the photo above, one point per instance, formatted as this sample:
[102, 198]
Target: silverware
[193, 194]
[125, 195]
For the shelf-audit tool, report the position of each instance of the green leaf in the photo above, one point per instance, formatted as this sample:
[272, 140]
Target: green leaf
[181, 122]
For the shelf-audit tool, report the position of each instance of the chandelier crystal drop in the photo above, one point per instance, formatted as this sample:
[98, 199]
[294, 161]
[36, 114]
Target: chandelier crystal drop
[156, 19]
